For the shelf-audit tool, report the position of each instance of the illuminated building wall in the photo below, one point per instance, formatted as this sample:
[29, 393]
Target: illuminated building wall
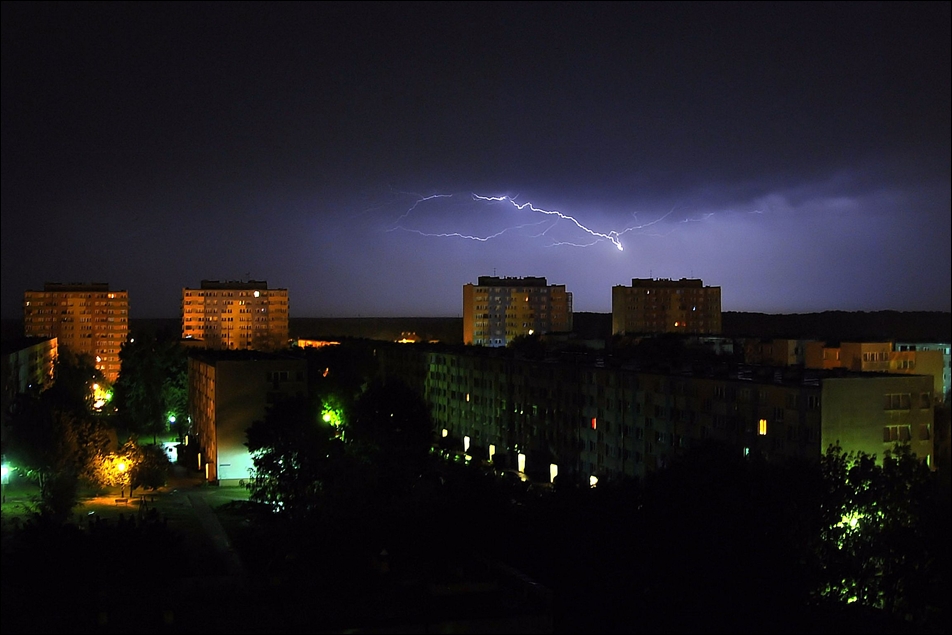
[874, 413]
[236, 315]
[497, 310]
[666, 306]
[86, 319]
[604, 421]
[926, 353]
[227, 392]
[819, 355]
[867, 357]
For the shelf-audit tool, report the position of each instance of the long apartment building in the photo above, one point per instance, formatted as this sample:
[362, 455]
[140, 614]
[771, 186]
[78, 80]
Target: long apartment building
[235, 315]
[666, 306]
[497, 310]
[546, 418]
[86, 319]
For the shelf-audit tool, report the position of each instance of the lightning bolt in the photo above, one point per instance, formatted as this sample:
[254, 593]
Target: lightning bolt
[553, 217]
[481, 239]
[612, 236]
[421, 199]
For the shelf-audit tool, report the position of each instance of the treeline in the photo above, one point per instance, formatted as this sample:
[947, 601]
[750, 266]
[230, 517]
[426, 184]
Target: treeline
[843, 326]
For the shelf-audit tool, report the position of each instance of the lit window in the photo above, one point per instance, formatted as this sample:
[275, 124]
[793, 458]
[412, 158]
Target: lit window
[762, 429]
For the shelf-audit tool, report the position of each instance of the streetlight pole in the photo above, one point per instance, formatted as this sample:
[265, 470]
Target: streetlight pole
[122, 479]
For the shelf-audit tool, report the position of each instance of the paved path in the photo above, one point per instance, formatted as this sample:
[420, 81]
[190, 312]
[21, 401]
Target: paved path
[236, 577]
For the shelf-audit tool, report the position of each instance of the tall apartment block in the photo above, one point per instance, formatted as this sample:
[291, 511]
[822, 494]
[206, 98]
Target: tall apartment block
[666, 306]
[236, 315]
[86, 319]
[497, 310]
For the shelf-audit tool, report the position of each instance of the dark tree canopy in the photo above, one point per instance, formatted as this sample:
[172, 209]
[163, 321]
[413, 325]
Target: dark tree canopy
[152, 384]
[392, 424]
[294, 452]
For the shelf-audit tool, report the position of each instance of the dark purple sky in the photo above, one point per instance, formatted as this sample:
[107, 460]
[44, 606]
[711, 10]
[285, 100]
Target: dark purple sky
[797, 155]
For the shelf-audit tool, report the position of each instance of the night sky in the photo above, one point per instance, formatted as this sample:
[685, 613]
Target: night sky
[796, 155]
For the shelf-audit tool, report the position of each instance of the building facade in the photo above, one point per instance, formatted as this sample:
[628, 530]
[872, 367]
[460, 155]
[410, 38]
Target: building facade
[666, 306]
[236, 315]
[497, 310]
[904, 358]
[86, 319]
[26, 366]
[775, 352]
[227, 392]
[933, 354]
[546, 418]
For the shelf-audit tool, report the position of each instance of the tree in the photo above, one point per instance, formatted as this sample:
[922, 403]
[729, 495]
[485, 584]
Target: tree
[293, 451]
[150, 466]
[528, 346]
[878, 544]
[152, 384]
[54, 436]
[392, 428]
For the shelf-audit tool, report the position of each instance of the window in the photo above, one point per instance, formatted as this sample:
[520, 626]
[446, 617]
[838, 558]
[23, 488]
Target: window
[897, 401]
[762, 427]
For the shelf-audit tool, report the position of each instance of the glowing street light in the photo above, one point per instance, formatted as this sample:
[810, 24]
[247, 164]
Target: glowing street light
[121, 467]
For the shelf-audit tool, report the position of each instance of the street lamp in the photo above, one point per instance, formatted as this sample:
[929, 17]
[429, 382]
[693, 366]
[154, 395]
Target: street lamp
[121, 466]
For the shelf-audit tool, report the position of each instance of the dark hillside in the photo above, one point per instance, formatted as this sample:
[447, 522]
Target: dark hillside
[844, 326]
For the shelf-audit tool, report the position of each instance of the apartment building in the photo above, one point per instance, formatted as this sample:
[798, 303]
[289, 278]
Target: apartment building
[235, 315]
[26, 365]
[905, 358]
[595, 419]
[931, 353]
[86, 319]
[775, 352]
[497, 310]
[227, 392]
[666, 306]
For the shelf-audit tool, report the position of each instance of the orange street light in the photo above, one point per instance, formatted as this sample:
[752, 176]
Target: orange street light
[121, 466]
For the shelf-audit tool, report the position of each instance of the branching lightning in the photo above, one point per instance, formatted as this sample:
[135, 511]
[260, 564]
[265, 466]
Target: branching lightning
[422, 200]
[612, 236]
[553, 218]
